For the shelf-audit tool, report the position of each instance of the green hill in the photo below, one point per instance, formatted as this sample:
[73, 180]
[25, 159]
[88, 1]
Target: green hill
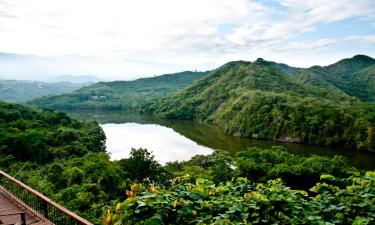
[259, 100]
[362, 84]
[22, 91]
[354, 76]
[121, 94]
[27, 134]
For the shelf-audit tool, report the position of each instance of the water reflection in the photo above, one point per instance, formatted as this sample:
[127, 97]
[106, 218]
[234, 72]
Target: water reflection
[165, 143]
[192, 138]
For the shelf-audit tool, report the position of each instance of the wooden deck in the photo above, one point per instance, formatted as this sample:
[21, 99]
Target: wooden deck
[11, 210]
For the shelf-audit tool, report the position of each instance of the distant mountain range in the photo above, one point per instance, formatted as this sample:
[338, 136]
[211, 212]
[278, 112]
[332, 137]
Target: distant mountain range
[87, 79]
[330, 105]
[31, 67]
[22, 91]
[121, 94]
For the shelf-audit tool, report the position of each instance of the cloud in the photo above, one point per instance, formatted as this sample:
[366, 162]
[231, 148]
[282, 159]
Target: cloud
[185, 32]
[302, 16]
[316, 45]
[364, 39]
[6, 15]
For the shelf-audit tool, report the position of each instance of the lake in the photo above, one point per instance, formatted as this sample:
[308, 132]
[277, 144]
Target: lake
[172, 140]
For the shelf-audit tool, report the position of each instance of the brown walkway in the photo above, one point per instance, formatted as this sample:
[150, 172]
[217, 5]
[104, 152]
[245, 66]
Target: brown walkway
[10, 210]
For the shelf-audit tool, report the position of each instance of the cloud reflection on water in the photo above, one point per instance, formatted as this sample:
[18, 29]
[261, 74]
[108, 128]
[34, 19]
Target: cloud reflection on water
[166, 144]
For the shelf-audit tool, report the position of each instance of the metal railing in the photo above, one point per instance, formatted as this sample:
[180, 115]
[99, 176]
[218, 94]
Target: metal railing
[39, 203]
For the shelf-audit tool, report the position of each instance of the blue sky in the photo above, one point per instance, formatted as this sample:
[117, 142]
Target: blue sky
[173, 35]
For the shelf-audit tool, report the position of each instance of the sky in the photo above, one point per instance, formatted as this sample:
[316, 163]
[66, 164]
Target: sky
[125, 39]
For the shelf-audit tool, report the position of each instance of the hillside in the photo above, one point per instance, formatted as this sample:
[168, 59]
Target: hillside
[259, 100]
[121, 94]
[22, 91]
[42, 135]
[354, 76]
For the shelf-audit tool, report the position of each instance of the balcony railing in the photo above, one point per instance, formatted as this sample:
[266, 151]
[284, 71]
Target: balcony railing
[39, 204]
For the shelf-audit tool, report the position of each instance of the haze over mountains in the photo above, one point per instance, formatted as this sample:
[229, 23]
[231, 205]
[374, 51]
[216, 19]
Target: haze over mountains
[84, 79]
[22, 91]
[122, 94]
[71, 68]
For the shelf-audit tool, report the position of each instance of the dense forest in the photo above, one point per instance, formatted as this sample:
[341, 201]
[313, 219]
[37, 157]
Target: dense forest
[22, 91]
[40, 136]
[330, 105]
[66, 160]
[120, 94]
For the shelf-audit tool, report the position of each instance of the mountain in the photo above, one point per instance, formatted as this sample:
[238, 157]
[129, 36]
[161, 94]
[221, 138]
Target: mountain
[284, 67]
[22, 91]
[259, 100]
[362, 84]
[75, 79]
[350, 65]
[354, 76]
[121, 94]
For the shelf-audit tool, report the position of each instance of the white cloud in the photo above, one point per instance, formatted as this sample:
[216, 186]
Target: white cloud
[302, 16]
[316, 45]
[364, 39]
[47, 27]
[169, 31]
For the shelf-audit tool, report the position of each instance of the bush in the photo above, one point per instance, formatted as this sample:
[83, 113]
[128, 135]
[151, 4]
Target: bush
[200, 201]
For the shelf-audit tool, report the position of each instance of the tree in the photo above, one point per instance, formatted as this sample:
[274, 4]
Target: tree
[142, 167]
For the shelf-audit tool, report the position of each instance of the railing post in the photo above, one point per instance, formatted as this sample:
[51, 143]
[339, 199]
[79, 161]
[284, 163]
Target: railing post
[23, 219]
[45, 209]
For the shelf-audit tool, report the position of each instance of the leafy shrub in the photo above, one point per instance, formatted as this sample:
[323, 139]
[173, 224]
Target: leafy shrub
[200, 201]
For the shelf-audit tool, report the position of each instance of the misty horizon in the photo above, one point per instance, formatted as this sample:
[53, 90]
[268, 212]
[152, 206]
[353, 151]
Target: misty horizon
[68, 68]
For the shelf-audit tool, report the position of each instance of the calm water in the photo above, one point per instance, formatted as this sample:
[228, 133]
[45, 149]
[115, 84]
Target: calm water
[172, 140]
[164, 142]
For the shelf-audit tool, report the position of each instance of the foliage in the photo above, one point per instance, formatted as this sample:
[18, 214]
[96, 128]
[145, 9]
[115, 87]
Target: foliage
[83, 185]
[200, 201]
[61, 157]
[43, 135]
[142, 167]
[260, 165]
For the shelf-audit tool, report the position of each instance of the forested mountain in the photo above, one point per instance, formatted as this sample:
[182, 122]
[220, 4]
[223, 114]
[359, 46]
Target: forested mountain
[22, 91]
[318, 105]
[121, 94]
[354, 76]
